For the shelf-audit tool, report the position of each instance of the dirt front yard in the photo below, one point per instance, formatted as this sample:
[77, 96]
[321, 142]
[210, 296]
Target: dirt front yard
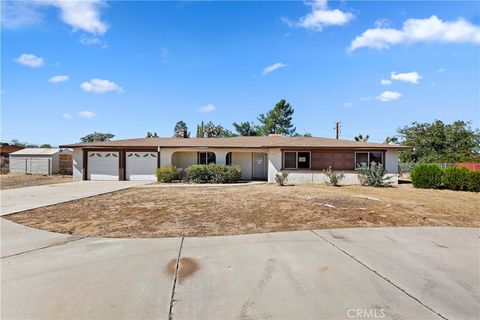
[154, 211]
[20, 180]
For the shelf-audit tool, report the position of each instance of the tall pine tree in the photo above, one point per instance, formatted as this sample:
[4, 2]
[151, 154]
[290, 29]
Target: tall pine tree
[278, 120]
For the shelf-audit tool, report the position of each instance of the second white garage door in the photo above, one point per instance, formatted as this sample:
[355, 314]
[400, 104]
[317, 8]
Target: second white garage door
[102, 166]
[141, 166]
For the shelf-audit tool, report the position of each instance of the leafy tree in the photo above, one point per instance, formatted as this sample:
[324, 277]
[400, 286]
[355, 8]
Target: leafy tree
[306, 134]
[211, 130]
[181, 130]
[392, 139]
[152, 135]
[439, 142]
[278, 120]
[96, 137]
[362, 138]
[46, 145]
[247, 129]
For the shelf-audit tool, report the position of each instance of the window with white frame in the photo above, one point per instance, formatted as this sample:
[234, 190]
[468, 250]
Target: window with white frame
[206, 157]
[296, 159]
[367, 157]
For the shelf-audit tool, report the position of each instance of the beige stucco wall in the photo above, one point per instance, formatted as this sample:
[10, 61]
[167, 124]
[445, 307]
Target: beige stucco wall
[244, 160]
[184, 159]
[77, 164]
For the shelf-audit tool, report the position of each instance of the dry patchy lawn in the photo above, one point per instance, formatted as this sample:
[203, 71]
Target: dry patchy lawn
[20, 180]
[204, 211]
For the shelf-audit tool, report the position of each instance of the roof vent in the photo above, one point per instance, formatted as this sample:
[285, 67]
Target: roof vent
[274, 135]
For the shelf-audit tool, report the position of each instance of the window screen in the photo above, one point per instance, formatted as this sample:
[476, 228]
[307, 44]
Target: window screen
[202, 158]
[361, 157]
[303, 160]
[228, 159]
[290, 160]
[211, 157]
[376, 157]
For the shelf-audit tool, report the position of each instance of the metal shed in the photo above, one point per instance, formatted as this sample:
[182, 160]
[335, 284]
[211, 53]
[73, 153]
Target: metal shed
[41, 161]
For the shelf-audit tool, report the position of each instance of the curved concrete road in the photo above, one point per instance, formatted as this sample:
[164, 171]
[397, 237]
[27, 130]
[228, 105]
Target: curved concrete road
[386, 273]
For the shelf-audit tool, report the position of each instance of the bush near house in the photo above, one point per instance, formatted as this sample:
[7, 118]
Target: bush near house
[373, 175]
[474, 181]
[281, 178]
[427, 176]
[334, 177]
[167, 174]
[214, 173]
[455, 178]
[430, 176]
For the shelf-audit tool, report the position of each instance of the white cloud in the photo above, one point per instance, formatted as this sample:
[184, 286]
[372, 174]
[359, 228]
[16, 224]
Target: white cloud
[442, 70]
[91, 41]
[30, 60]
[67, 116]
[18, 14]
[386, 82]
[348, 104]
[86, 114]
[320, 17]
[386, 96]
[382, 23]
[100, 86]
[207, 108]
[366, 98]
[411, 77]
[58, 79]
[79, 14]
[419, 30]
[273, 67]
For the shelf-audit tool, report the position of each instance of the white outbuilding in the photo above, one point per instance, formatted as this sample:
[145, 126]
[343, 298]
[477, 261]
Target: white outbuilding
[41, 161]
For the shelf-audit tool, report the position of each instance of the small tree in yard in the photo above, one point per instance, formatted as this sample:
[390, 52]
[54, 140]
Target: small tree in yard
[281, 178]
[334, 177]
[373, 175]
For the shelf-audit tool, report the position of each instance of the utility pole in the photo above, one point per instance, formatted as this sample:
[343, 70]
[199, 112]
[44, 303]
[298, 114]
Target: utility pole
[337, 129]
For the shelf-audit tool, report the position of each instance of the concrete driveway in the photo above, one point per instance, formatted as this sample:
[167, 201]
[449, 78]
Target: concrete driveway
[15, 200]
[387, 273]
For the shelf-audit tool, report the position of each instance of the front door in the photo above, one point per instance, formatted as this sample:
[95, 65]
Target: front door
[259, 166]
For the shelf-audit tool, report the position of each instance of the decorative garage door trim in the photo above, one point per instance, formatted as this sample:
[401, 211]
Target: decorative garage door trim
[103, 165]
[141, 165]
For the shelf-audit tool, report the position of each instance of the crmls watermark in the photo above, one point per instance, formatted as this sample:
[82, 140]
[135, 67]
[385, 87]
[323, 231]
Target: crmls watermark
[365, 313]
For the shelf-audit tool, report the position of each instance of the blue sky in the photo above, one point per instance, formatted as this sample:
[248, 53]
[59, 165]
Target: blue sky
[133, 67]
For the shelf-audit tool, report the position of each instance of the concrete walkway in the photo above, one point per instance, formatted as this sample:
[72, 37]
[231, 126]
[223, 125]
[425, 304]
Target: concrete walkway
[15, 200]
[388, 273]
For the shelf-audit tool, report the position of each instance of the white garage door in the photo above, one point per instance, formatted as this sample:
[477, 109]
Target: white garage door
[141, 166]
[102, 166]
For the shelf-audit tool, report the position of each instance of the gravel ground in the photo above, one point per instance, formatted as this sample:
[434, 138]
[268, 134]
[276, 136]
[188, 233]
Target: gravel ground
[20, 180]
[201, 211]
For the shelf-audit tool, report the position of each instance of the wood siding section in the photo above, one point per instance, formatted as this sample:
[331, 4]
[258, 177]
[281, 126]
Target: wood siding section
[338, 160]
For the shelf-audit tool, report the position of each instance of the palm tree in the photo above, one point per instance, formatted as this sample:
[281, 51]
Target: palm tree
[361, 138]
[392, 139]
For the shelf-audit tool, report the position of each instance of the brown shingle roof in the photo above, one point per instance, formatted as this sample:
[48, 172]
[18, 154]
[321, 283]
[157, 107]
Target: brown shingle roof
[237, 142]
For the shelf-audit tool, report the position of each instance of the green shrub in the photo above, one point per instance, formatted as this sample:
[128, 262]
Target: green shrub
[334, 177]
[427, 176]
[374, 176]
[474, 181]
[455, 178]
[167, 174]
[281, 178]
[214, 173]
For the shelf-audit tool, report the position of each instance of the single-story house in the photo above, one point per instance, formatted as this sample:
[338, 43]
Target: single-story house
[42, 161]
[260, 158]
